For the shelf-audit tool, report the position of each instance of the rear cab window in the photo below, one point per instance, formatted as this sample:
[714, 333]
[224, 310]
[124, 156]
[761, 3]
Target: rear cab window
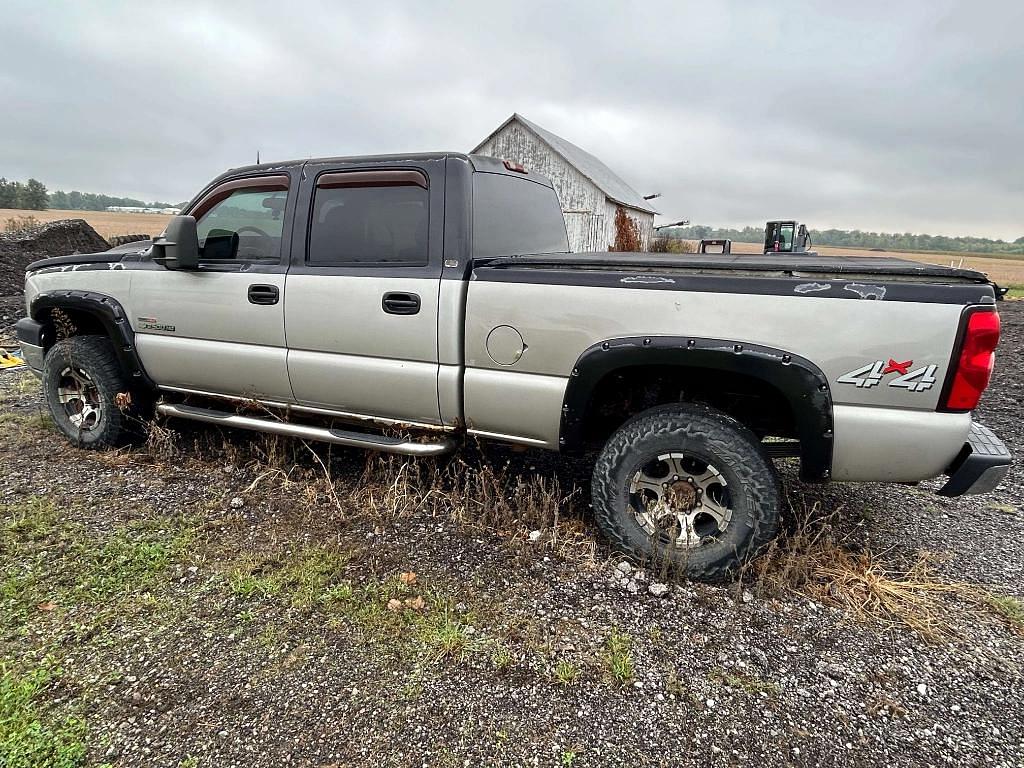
[514, 216]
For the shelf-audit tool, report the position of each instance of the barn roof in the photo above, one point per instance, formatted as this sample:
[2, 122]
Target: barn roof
[604, 178]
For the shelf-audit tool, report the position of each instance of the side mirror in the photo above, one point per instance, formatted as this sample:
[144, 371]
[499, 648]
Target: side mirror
[178, 246]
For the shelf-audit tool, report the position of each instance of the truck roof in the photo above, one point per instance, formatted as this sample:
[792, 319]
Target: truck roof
[482, 163]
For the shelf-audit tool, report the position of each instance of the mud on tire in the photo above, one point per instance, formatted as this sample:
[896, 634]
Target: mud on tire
[686, 486]
[81, 380]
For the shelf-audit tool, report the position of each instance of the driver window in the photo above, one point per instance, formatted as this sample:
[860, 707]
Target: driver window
[246, 226]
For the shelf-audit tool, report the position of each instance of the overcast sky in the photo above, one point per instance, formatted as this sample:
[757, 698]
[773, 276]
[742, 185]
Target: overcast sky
[894, 116]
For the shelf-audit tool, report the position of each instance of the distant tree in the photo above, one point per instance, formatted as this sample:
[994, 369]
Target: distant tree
[34, 196]
[17, 194]
[8, 196]
[89, 201]
[627, 232]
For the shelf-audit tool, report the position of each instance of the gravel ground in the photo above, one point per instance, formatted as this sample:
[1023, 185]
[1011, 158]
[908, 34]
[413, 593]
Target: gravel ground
[255, 628]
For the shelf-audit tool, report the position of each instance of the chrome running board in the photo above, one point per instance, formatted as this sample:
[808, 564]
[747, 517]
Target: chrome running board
[323, 434]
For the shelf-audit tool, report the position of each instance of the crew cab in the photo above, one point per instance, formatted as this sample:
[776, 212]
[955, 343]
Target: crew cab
[399, 302]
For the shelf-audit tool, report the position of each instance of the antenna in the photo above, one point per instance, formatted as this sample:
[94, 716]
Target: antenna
[257, 157]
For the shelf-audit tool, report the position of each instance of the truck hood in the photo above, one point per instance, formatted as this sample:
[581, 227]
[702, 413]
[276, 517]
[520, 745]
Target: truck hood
[128, 252]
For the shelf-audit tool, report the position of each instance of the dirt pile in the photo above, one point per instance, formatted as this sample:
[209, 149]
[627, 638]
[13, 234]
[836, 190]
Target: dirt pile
[19, 249]
[58, 238]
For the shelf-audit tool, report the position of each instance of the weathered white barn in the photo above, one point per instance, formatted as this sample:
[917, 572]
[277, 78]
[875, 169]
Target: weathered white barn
[590, 192]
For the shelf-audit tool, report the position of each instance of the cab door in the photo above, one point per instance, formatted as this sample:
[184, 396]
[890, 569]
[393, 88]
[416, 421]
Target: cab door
[361, 304]
[220, 328]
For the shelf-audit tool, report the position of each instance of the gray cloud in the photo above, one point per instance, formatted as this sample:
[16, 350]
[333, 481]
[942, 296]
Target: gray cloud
[895, 116]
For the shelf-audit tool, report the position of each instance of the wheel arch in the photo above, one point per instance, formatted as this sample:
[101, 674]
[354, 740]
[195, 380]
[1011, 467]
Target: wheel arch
[797, 381]
[89, 312]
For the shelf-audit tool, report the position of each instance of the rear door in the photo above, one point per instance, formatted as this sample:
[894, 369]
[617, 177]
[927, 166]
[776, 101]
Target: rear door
[362, 294]
[220, 328]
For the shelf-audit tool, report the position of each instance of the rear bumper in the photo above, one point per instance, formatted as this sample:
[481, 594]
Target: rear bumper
[980, 466]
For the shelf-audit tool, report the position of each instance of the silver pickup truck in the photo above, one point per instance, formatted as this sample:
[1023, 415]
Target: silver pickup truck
[399, 302]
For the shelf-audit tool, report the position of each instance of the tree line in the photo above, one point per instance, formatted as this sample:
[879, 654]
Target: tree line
[32, 196]
[844, 238]
[89, 201]
[28, 196]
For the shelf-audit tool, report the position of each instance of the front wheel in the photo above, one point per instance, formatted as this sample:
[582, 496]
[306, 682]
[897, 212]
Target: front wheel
[81, 381]
[688, 486]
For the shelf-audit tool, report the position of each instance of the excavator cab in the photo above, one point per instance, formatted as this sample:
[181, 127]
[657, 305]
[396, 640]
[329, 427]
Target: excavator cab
[786, 237]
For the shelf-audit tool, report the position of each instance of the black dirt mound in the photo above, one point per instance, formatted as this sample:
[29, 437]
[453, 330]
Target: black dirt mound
[58, 238]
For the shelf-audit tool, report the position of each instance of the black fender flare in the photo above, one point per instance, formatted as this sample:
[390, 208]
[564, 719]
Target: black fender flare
[800, 382]
[110, 315]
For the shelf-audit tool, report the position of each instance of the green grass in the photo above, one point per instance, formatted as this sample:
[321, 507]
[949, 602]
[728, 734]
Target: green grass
[47, 557]
[412, 622]
[415, 623]
[31, 736]
[742, 681]
[37, 420]
[618, 657]
[441, 631]
[133, 558]
[1010, 608]
[566, 673]
[501, 657]
[310, 577]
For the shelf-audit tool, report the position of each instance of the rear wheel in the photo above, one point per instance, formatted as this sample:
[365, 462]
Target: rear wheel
[81, 380]
[687, 486]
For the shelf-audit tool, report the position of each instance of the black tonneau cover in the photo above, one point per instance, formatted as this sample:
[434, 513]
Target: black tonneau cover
[771, 263]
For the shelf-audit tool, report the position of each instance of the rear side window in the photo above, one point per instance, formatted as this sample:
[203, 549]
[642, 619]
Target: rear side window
[513, 216]
[369, 219]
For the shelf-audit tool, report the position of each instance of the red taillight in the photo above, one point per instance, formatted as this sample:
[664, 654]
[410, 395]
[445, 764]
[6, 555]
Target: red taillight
[974, 365]
[516, 167]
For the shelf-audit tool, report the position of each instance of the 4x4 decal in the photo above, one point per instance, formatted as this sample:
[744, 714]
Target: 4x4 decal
[917, 380]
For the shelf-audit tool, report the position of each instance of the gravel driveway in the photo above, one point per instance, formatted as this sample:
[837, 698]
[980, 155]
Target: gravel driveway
[185, 605]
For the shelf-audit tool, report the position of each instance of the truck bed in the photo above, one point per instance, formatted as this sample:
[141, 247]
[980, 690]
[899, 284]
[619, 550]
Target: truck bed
[768, 265]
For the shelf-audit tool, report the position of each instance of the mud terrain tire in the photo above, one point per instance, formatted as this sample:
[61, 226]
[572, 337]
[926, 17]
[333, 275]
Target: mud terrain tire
[81, 380]
[698, 433]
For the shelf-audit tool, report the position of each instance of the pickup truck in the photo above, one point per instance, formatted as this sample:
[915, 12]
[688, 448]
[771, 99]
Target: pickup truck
[397, 303]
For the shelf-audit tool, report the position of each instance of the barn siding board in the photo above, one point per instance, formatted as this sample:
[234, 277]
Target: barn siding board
[589, 213]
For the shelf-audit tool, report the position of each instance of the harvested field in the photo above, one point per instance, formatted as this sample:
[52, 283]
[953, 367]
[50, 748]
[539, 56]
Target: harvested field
[221, 599]
[107, 223]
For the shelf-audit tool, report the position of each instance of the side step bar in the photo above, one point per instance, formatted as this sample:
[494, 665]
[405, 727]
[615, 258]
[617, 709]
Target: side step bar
[323, 434]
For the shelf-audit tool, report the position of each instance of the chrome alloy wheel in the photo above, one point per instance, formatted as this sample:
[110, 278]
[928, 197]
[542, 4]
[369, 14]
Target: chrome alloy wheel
[680, 499]
[80, 398]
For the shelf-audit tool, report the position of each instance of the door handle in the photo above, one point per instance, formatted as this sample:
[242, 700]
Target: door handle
[264, 294]
[397, 303]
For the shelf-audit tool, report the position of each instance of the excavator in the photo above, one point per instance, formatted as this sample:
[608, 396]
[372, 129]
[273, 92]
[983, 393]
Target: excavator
[786, 237]
[779, 237]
